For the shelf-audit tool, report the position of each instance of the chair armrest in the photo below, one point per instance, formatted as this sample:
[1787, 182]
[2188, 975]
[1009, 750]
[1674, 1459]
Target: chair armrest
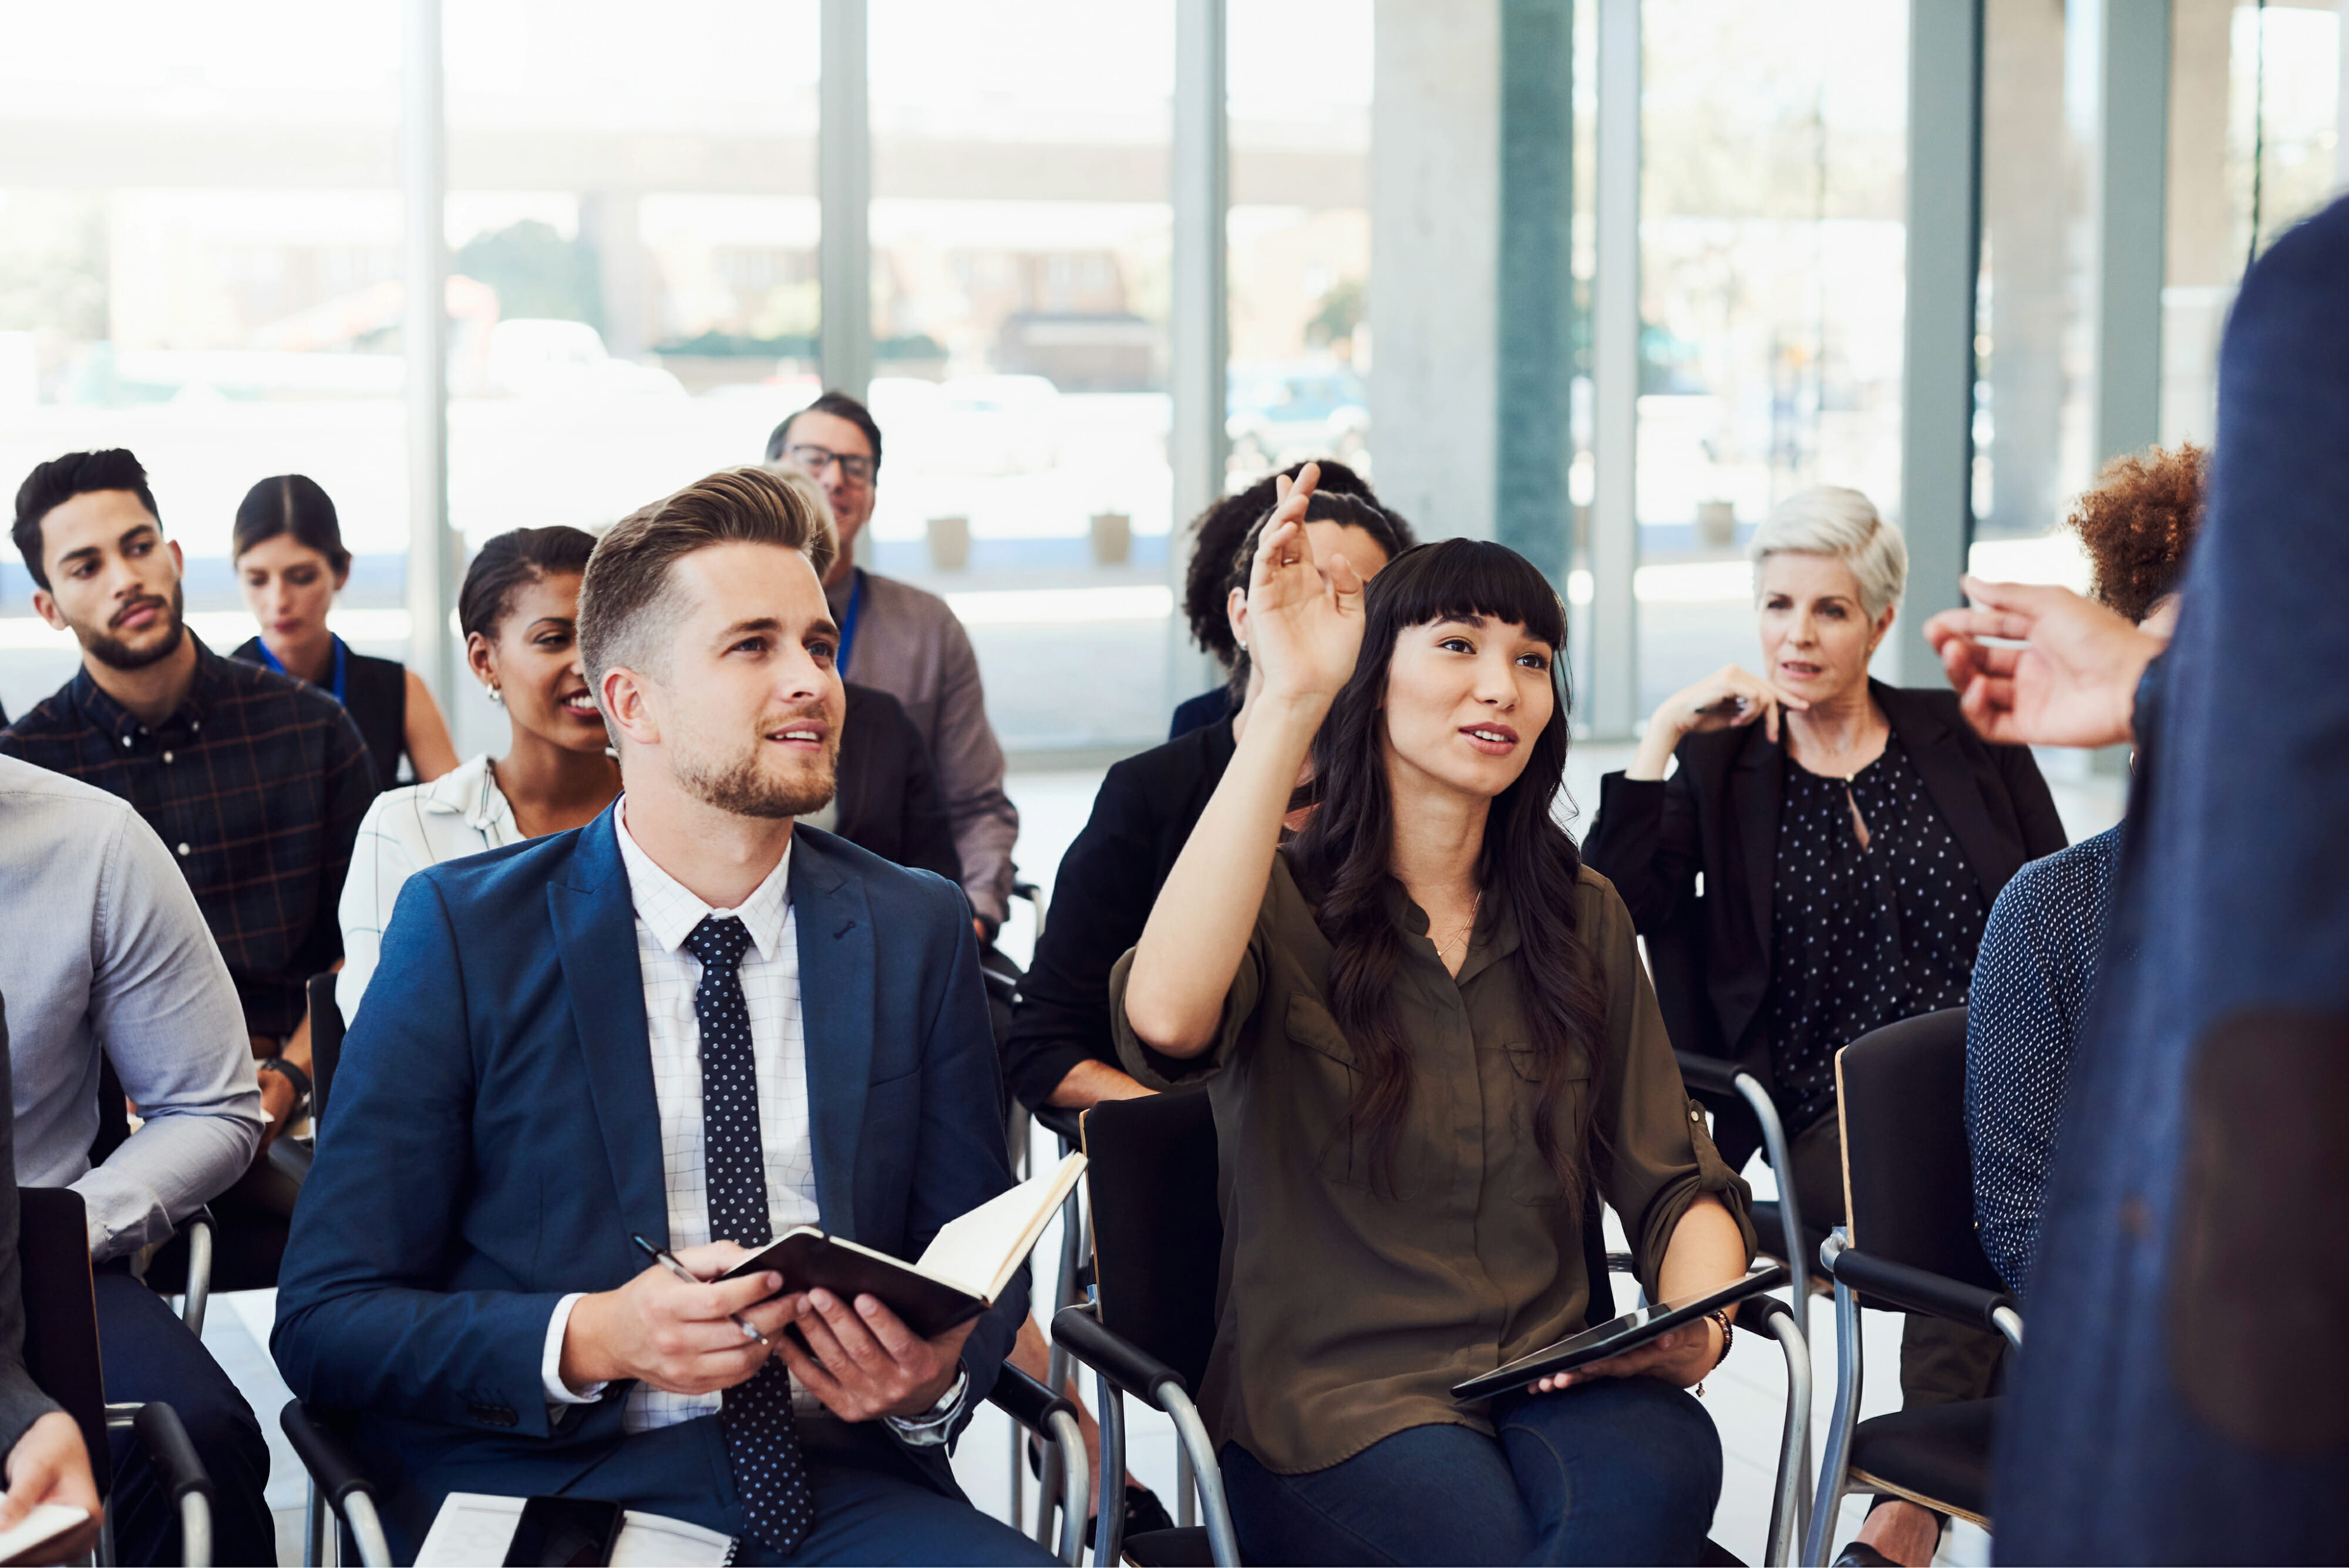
[166, 1442]
[1026, 1401]
[1919, 1290]
[1064, 1122]
[1709, 1075]
[332, 1469]
[1076, 1330]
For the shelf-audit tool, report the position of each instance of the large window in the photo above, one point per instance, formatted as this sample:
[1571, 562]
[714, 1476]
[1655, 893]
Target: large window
[1021, 240]
[632, 225]
[199, 260]
[1771, 295]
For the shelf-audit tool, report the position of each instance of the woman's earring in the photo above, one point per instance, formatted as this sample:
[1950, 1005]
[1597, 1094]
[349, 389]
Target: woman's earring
[1244, 645]
[497, 696]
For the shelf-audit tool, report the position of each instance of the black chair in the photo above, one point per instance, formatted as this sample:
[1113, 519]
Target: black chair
[1910, 1246]
[343, 1500]
[61, 1352]
[326, 1041]
[1157, 1251]
[182, 1266]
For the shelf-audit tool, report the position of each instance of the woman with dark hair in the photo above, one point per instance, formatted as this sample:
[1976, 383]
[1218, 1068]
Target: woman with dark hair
[1216, 584]
[1061, 1050]
[1429, 1037]
[520, 612]
[288, 549]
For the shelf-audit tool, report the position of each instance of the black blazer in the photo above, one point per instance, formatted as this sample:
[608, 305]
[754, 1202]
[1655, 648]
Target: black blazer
[1692, 856]
[1101, 900]
[888, 790]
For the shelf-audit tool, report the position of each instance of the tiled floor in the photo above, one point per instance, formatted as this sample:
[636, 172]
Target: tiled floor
[1747, 1397]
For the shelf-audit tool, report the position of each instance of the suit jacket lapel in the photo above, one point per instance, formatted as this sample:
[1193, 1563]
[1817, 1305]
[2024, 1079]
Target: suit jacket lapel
[1757, 783]
[1948, 779]
[595, 932]
[836, 977]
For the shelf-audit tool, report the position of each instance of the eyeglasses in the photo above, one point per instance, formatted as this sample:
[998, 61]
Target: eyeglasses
[814, 459]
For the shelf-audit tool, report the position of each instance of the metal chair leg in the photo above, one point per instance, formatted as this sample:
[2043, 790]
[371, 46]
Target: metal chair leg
[1069, 1440]
[1186, 1497]
[1835, 1469]
[1790, 1502]
[317, 1529]
[1109, 1531]
[1221, 1541]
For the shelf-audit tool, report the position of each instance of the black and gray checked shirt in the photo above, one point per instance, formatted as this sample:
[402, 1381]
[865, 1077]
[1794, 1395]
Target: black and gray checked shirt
[256, 784]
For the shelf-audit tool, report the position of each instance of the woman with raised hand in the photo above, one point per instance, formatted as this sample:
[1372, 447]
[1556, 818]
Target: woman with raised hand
[1821, 863]
[520, 612]
[1428, 1036]
[290, 561]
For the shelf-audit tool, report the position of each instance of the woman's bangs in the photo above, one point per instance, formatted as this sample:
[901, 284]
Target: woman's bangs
[1457, 578]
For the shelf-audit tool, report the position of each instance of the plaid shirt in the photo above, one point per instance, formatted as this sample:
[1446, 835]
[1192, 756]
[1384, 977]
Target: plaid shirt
[256, 784]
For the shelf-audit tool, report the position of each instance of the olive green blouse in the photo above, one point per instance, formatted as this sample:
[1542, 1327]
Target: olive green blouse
[1348, 1310]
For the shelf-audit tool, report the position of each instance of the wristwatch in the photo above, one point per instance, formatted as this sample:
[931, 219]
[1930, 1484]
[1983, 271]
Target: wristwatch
[292, 1075]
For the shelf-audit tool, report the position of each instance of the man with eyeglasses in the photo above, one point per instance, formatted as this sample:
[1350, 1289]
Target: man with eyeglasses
[907, 642]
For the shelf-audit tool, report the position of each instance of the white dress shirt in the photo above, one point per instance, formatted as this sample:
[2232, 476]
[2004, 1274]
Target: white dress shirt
[461, 813]
[667, 913]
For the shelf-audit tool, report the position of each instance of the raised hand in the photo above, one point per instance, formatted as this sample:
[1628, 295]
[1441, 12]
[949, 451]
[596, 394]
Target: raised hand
[2072, 680]
[1305, 617]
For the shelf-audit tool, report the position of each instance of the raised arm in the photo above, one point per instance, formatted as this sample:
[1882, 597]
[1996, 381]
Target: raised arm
[1306, 627]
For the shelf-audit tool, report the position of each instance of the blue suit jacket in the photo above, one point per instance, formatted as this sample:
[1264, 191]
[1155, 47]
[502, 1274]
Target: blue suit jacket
[2179, 1397]
[495, 1141]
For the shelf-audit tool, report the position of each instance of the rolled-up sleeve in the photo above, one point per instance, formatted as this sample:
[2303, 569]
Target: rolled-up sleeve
[163, 1006]
[1655, 1155]
[1162, 1072]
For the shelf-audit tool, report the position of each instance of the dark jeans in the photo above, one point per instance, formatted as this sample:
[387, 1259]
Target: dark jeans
[149, 1354]
[1625, 1471]
[1942, 1363]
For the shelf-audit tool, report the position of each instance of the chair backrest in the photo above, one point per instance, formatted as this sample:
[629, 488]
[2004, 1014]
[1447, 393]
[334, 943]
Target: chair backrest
[1158, 1228]
[325, 1040]
[1158, 1231]
[61, 1314]
[1909, 1179]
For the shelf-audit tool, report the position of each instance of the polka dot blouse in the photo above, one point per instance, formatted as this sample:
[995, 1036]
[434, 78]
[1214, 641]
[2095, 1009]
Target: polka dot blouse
[1861, 937]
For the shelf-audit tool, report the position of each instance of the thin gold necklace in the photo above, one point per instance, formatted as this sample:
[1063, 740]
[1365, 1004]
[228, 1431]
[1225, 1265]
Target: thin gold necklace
[1465, 932]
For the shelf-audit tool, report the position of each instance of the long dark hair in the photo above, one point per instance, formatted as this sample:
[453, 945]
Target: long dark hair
[1528, 866]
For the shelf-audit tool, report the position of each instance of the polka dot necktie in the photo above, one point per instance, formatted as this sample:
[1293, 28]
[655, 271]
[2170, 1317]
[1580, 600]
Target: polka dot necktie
[762, 1439]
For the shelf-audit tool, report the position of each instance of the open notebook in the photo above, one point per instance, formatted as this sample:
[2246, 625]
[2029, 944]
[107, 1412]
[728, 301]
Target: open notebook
[475, 1528]
[36, 1537]
[958, 1275]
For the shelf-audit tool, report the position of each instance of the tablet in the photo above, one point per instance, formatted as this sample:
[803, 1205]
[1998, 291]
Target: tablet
[1618, 1335]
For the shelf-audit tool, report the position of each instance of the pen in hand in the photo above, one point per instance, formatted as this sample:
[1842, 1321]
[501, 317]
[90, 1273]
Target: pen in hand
[662, 1256]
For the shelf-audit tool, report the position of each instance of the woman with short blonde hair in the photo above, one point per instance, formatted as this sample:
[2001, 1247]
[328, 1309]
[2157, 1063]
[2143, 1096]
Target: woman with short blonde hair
[1820, 865]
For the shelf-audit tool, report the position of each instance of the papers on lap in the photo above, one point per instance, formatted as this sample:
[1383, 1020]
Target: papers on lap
[475, 1528]
[46, 1523]
[959, 1275]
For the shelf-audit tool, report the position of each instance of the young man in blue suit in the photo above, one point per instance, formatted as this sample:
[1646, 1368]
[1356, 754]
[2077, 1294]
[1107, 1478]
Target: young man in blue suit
[689, 1021]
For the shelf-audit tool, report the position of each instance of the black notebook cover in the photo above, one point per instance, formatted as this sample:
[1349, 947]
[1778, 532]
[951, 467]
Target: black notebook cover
[807, 1257]
[1618, 1335]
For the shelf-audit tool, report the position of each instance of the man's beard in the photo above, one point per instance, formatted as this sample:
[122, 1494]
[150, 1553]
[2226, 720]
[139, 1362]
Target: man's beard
[742, 788]
[116, 654]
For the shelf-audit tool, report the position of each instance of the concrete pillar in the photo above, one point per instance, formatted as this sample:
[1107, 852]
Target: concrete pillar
[1944, 245]
[608, 222]
[2199, 241]
[1435, 179]
[2131, 197]
[2028, 181]
[435, 555]
[1534, 515]
[1612, 683]
[1199, 330]
[845, 182]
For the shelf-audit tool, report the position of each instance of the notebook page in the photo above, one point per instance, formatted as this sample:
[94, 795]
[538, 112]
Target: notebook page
[980, 1251]
[46, 1520]
[475, 1528]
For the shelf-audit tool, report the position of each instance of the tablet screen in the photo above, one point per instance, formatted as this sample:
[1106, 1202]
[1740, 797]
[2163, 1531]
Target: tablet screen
[1618, 1335]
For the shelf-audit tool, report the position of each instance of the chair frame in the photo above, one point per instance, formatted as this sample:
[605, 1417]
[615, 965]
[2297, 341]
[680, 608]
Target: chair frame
[155, 1424]
[341, 1510]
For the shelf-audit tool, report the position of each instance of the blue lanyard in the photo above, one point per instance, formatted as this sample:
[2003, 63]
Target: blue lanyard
[341, 667]
[847, 623]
